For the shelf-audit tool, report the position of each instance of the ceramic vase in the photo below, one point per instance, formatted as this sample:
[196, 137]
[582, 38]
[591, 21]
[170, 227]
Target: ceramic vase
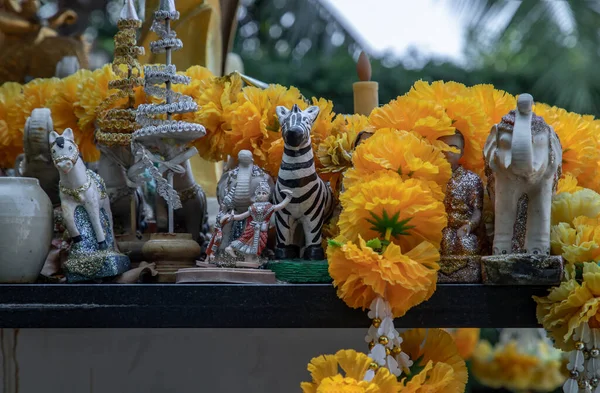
[26, 228]
[171, 252]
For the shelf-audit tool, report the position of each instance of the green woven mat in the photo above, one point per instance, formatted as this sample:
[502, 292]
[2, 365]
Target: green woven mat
[300, 271]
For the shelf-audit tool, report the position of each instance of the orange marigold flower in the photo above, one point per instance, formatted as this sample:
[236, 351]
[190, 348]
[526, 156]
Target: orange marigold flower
[426, 118]
[326, 377]
[495, 103]
[254, 123]
[438, 91]
[567, 183]
[578, 139]
[216, 98]
[571, 305]
[466, 340]
[361, 274]
[402, 152]
[63, 105]
[442, 369]
[415, 205]
[11, 128]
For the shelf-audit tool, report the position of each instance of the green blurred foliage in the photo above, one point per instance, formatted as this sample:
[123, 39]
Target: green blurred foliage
[532, 54]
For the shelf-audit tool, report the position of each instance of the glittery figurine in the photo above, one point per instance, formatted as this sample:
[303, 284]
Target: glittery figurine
[523, 162]
[464, 237]
[254, 238]
[221, 219]
[86, 214]
[464, 205]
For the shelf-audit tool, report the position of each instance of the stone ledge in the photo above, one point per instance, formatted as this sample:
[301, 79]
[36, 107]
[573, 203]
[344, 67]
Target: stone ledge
[460, 269]
[522, 269]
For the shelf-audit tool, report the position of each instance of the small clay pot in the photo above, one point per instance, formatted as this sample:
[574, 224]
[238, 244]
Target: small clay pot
[171, 252]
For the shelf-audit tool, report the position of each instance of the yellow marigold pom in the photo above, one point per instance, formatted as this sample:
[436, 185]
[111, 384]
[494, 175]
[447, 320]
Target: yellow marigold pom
[197, 75]
[64, 104]
[402, 152]
[361, 274]
[438, 91]
[35, 94]
[335, 151]
[578, 138]
[216, 98]
[326, 378]
[469, 118]
[92, 90]
[506, 366]
[495, 103]
[385, 194]
[567, 206]
[254, 123]
[426, 118]
[579, 242]
[442, 369]
[11, 128]
[466, 340]
[570, 306]
[567, 183]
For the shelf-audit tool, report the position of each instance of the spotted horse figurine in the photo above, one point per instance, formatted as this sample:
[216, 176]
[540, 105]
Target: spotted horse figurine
[94, 255]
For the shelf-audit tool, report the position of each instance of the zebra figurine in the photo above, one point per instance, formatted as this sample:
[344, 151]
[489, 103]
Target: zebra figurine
[312, 199]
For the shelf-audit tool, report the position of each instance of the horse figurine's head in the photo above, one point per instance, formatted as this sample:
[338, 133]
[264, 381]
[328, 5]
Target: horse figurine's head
[296, 124]
[63, 150]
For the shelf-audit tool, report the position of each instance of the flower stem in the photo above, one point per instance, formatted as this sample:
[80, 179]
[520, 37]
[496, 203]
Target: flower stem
[387, 237]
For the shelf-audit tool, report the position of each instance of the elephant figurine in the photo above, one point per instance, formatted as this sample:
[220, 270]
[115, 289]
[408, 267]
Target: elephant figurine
[523, 157]
[193, 216]
[36, 159]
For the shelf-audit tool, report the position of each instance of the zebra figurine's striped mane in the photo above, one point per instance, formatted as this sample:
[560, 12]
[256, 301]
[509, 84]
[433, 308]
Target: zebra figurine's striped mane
[312, 198]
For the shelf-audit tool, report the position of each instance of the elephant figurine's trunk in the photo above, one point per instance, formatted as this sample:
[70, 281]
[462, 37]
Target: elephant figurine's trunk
[522, 144]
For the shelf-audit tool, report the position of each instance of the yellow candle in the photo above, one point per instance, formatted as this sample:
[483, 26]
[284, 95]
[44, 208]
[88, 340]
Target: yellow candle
[366, 92]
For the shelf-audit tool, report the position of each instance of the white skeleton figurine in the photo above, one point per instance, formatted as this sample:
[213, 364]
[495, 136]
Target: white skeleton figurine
[79, 187]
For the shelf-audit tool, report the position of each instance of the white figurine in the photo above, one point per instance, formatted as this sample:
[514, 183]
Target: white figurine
[523, 157]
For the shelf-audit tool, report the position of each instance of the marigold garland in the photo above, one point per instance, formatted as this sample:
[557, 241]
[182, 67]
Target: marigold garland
[327, 379]
[426, 118]
[507, 366]
[215, 98]
[570, 306]
[384, 194]
[360, 273]
[401, 152]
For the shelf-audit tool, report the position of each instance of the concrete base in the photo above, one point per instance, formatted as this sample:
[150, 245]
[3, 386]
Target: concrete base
[460, 269]
[522, 269]
[225, 276]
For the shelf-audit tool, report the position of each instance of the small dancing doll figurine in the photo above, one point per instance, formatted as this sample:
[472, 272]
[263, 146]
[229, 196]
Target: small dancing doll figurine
[254, 238]
[221, 219]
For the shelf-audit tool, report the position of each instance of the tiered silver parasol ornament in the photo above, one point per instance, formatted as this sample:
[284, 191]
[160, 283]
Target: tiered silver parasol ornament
[162, 144]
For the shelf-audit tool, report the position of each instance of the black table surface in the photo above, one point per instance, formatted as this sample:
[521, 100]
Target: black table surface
[250, 306]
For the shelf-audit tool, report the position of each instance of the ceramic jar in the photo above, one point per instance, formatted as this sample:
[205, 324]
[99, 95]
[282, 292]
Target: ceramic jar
[26, 229]
[171, 252]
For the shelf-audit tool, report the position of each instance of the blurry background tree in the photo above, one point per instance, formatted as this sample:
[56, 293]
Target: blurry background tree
[548, 48]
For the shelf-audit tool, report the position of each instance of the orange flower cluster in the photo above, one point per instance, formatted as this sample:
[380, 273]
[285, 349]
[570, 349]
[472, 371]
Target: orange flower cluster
[440, 369]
